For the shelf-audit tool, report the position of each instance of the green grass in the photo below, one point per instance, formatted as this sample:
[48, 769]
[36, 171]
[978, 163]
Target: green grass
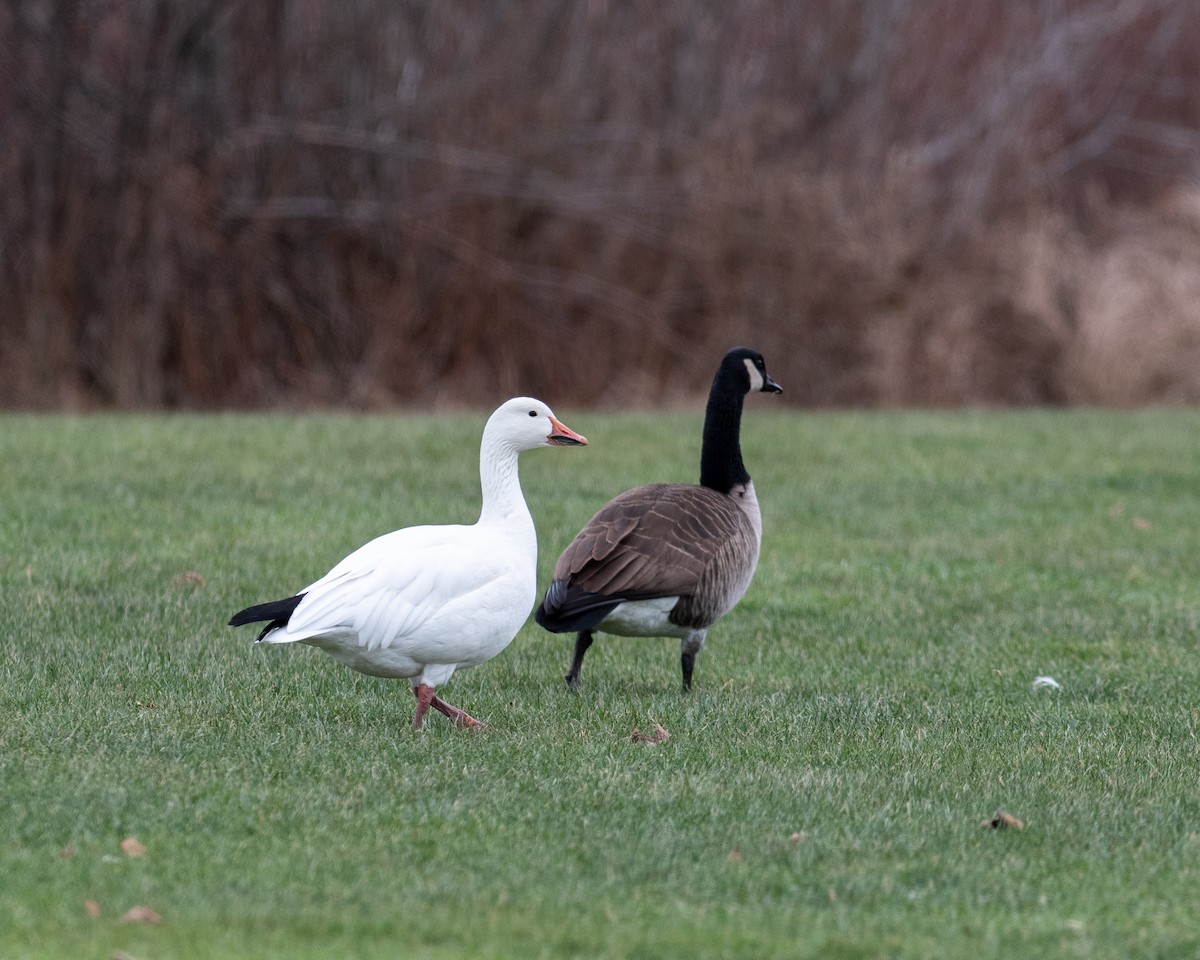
[871, 697]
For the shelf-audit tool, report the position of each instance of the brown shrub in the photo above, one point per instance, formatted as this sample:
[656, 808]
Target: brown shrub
[367, 203]
[1139, 308]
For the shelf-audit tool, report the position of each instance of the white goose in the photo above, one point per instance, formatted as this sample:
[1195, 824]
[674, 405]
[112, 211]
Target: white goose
[421, 602]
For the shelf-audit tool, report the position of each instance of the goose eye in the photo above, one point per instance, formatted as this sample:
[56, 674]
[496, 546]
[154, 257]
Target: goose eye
[533, 413]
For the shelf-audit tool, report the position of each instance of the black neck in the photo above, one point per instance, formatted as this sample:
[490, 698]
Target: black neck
[721, 464]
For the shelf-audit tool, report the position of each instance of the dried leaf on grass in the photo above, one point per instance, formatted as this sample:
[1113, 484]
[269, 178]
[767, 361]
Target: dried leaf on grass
[132, 848]
[140, 914]
[1002, 820]
[92, 908]
[657, 735]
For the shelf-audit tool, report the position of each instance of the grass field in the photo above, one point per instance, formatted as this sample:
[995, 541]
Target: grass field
[822, 790]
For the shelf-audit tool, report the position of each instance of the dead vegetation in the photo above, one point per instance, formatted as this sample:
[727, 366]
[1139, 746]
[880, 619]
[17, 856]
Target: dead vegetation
[209, 204]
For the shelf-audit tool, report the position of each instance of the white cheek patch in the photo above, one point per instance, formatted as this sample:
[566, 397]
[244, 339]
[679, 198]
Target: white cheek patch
[756, 379]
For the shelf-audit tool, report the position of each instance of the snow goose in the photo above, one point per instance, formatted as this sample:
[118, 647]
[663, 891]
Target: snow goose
[421, 602]
[669, 559]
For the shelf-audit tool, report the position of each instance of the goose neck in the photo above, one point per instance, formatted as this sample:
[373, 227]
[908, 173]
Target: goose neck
[503, 501]
[721, 466]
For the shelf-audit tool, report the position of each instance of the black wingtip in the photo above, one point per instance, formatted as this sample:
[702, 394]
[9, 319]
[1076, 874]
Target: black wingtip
[280, 610]
[567, 609]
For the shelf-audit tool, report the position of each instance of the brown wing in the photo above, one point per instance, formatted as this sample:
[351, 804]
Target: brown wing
[653, 541]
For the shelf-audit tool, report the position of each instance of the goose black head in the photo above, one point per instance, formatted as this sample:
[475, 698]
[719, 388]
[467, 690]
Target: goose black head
[750, 370]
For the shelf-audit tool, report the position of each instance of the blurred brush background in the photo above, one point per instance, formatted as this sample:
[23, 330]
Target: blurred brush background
[365, 203]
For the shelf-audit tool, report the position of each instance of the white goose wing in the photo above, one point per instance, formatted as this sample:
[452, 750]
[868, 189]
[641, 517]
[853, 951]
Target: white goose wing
[401, 585]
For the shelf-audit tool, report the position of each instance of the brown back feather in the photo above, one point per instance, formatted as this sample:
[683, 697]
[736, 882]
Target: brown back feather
[655, 540]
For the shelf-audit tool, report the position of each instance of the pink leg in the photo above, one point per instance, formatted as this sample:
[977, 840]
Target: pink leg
[424, 695]
[461, 717]
[426, 698]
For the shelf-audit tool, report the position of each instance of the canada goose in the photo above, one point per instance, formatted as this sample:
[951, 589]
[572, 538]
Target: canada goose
[421, 602]
[669, 559]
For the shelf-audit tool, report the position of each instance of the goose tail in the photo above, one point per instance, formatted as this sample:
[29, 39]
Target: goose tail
[567, 608]
[276, 613]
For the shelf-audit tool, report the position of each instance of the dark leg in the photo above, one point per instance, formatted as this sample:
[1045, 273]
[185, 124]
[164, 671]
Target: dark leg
[688, 648]
[688, 662]
[583, 640]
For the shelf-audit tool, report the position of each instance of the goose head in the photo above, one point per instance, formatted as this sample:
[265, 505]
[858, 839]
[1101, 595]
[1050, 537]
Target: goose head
[524, 423]
[746, 367]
